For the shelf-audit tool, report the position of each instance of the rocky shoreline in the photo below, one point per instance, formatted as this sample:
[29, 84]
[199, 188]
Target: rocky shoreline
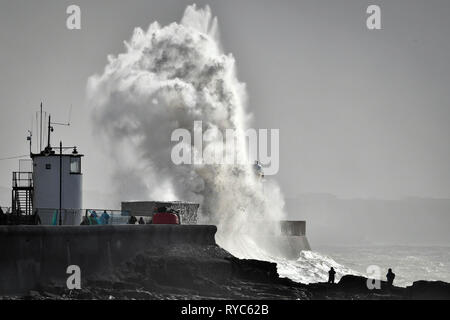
[199, 272]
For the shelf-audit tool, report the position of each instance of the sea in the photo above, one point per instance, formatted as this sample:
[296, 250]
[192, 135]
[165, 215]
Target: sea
[409, 263]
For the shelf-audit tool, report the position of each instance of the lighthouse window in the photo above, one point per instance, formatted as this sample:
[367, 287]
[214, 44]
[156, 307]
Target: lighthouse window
[48, 166]
[75, 165]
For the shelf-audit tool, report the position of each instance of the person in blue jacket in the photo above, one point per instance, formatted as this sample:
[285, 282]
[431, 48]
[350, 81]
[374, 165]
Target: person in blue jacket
[93, 218]
[104, 218]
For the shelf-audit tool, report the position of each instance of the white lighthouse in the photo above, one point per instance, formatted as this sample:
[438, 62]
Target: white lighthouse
[57, 186]
[51, 192]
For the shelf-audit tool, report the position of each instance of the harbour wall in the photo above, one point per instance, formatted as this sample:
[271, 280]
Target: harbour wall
[287, 247]
[39, 255]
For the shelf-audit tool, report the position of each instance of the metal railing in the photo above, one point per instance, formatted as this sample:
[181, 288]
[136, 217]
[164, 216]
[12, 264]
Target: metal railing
[22, 179]
[52, 216]
[76, 217]
[97, 217]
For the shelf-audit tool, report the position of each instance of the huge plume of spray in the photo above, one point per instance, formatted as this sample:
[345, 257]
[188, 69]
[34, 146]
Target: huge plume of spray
[167, 78]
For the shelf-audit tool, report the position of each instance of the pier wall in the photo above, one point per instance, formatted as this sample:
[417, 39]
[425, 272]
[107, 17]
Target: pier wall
[287, 247]
[34, 255]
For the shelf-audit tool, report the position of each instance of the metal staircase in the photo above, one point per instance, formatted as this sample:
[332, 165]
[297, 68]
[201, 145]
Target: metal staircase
[22, 193]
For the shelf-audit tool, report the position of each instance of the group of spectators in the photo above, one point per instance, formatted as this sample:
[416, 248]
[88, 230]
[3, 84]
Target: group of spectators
[134, 220]
[94, 219]
[104, 219]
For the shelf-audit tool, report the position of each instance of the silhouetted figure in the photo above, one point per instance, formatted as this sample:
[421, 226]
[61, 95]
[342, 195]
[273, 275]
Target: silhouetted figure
[331, 274]
[85, 221]
[141, 220]
[36, 219]
[132, 220]
[390, 276]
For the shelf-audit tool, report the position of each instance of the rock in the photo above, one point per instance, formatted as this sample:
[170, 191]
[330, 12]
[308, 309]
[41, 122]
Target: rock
[209, 272]
[248, 269]
[430, 290]
[353, 283]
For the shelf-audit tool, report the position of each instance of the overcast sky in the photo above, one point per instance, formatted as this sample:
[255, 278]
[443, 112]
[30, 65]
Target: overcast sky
[361, 113]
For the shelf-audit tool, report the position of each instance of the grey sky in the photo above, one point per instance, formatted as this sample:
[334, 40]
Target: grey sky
[361, 113]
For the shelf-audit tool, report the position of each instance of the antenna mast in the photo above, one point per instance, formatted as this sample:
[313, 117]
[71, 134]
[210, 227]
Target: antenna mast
[50, 129]
[40, 141]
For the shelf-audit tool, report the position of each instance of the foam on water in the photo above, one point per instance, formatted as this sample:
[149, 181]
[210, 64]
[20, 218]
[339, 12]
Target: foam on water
[310, 267]
[409, 263]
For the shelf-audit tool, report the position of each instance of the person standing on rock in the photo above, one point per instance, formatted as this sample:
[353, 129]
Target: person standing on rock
[390, 276]
[331, 274]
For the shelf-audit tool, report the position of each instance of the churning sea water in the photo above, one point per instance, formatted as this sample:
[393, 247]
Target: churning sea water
[409, 263]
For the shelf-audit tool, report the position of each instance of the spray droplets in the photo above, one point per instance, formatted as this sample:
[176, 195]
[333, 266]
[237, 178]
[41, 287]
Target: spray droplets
[168, 78]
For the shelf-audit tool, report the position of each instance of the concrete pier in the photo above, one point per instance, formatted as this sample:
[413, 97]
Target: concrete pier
[34, 255]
